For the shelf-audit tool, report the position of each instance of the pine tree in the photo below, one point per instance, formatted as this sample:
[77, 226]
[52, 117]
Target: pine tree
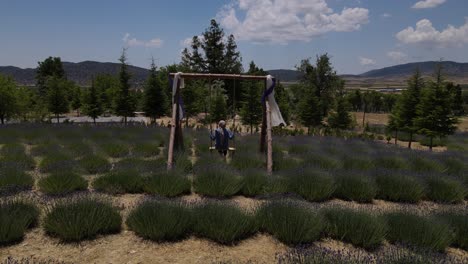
[76, 98]
[455, 92]
[92, 103]
[340, 119]
[405, 108]
[320, 86]
[308, 112]
[125, 104]
[435, 116]
[232, 58]
[50, 67]
[107, 87]
[24, 102]
[251, 110]
[8, 100]
[57, 96]
[218, 109]
[155, 99]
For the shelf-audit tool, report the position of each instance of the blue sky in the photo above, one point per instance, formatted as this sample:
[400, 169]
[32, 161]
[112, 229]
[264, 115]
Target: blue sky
[358, 34]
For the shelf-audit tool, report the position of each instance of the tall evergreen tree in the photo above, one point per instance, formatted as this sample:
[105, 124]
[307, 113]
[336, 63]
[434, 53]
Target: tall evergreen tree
[155, 99]
[24, 102]
[320, 86]
[251, 108]
[76, 98]
[107, 87]
[57, 96]
[308, 111]
[92, 103]
[218, 109]
[435, 116]
[125, 104]
[232, 58]
[405, 108]
[8, 100]
[456, 97]
[50, 67]
[341, 118]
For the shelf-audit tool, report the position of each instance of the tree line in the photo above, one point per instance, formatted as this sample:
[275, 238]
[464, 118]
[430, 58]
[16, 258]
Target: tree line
[319, 100]
[427, 107]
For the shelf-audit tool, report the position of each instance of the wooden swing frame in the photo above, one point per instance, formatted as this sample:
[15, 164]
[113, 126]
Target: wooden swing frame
[176, 137]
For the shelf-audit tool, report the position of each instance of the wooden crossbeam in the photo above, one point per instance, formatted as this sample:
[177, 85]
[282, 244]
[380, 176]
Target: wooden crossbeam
[214, 76]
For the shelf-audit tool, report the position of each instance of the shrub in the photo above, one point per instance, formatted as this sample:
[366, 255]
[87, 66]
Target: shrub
[290, 223]
[80, 218]
[389, 162]
[399, 187]
[160, 221]
[418, 231]
[57, 163]
[46, 149]
[169, 184]
[359, 188]
[116, 150]
[323, 255]
[78, 149]
[312, 185]
[356, 163]
[254, 182]
[15, 217]
[17, 161]
[420, 163]
[182, 162]
[397, 255]
[320, 161]
[356, 227]
[62, 183]
[225, 224]
[94, 164]
[146, 149]
[217, 180]
[458, 221]
[140, 165]
[276, 184]
[119, 182]
[248, 160]
[444, 189]
[14, 180]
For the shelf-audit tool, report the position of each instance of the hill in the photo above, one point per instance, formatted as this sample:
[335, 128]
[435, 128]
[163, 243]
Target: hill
[286, 75]
[81, 72]
[450, 68]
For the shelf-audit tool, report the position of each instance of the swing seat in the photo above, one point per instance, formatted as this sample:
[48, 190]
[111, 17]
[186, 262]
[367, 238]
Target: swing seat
[230, 149]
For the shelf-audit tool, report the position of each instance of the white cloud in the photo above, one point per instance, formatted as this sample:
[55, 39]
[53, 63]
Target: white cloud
[426, 34]
[133, 42]
[280, 21]
[397, 55]
[366, 61]
[428, 4]
[186, 43]
[386, 15]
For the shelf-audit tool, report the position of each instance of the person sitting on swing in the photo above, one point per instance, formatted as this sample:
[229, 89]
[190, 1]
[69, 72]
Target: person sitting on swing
[221, 137]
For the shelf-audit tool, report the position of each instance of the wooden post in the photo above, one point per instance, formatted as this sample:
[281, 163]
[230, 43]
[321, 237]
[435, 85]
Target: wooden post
[269, 139]
[175, 106]
[263, 132]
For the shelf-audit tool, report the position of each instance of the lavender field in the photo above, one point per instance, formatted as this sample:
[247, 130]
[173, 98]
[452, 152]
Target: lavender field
[328, 200]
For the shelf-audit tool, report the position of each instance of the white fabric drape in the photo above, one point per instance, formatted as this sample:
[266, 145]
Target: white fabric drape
[178, 79]
[276, 117]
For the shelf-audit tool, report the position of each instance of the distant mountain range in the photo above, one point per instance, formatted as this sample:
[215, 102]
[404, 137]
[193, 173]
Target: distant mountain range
[83, 72]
